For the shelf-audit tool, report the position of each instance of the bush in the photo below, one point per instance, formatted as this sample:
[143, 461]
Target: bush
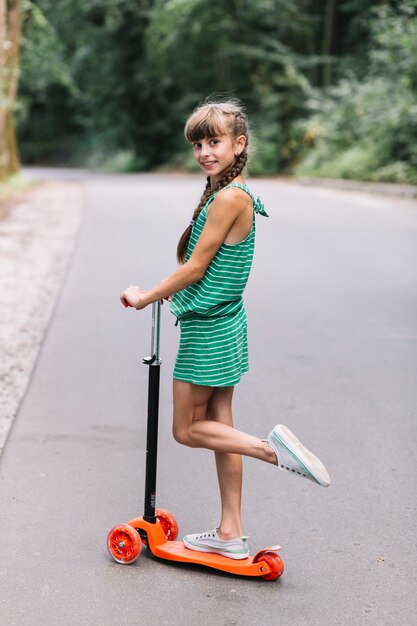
[123, 161]
[368, 129]
[398, 172]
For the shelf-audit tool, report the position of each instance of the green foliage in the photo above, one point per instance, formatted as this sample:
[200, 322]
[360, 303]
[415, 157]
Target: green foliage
[135, 69]
[368, 129]
[394, 50]
[46, 87]
[122, 161]
[109, 83]
[238, 48]
[43, 53]
[105, 104]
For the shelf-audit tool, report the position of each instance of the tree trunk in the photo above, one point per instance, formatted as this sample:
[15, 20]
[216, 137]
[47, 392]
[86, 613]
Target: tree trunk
[327, 41]
[10, 33]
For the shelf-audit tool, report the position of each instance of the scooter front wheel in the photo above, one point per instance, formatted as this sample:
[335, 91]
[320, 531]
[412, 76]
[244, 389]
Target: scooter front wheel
[275, 563]
[169, 524]
[124, 544]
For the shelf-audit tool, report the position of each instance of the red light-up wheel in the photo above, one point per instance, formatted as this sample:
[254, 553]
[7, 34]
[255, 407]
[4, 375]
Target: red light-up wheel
[124, 544]
[169, 524]
[275, 563]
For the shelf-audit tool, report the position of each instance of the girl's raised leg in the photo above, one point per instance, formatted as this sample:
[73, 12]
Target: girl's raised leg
[191, 427]
[281, 448]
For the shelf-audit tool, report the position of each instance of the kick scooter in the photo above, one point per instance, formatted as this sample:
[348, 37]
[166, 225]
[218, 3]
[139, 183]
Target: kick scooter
[157, 529]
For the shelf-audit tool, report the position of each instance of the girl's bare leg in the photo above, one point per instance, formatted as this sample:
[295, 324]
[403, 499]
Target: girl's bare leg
[203, 419]
[191, 427]
[229, 467]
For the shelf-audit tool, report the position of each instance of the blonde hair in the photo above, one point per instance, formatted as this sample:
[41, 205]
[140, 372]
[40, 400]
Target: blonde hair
[213, 119]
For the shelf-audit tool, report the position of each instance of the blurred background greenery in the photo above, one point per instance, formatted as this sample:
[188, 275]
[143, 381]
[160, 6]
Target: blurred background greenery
[330, 87]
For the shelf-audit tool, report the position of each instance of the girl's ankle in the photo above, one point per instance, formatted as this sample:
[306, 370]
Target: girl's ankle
[227, 535]
[271, 457]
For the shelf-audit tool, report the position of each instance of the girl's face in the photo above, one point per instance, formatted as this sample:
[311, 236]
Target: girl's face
[215, 155]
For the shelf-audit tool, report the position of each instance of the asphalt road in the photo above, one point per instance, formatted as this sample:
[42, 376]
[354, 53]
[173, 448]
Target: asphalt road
[332, 308]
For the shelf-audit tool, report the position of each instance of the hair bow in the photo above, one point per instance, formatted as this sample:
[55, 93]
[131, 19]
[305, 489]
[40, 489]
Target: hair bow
[259, 207]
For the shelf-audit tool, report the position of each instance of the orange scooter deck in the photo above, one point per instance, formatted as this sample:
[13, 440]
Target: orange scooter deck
[176, 551]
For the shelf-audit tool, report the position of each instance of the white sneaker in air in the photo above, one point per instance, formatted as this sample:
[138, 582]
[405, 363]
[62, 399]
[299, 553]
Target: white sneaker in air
[294, 458]
[211, 542]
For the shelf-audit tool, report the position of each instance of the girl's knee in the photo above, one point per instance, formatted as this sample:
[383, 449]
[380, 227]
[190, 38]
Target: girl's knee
[182, 435]
[183, 422]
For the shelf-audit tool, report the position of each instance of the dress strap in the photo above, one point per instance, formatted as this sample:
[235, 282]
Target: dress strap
[258, 207]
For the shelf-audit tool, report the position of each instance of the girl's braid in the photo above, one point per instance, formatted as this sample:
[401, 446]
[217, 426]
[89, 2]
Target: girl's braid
[235, 170]
[185, 237]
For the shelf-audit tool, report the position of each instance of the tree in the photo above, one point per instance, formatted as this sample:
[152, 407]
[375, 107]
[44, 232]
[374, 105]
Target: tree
[10, 33]
[365, 128]
[111, 82]
[327, 41]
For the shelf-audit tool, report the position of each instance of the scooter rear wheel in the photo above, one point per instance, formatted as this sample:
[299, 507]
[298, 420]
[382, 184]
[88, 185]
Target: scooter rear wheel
[275, 563]
[124, 544]
[169, 524]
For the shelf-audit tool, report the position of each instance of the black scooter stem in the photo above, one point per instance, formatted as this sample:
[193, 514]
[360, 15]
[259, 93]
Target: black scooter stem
[154, 363]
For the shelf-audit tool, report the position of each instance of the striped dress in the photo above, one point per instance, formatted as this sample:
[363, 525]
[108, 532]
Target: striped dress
[213, 346]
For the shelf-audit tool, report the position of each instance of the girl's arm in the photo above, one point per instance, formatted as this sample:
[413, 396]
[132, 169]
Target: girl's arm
[224, 211]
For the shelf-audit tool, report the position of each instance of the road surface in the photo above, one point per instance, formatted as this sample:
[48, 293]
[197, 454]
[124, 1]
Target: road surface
[332, 308]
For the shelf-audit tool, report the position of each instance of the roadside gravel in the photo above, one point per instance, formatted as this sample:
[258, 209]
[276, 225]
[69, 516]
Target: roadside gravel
[37, 234]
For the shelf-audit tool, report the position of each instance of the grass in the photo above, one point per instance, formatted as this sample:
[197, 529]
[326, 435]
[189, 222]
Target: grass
[13, 185]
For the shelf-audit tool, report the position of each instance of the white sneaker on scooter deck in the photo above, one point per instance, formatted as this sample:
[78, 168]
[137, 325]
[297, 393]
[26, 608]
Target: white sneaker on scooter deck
[295, 458]
[211, 542]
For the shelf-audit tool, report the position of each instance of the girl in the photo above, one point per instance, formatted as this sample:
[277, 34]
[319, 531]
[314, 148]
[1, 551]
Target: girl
[215, 255]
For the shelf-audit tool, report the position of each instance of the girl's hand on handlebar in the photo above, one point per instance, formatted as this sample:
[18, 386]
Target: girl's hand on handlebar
[133, 296]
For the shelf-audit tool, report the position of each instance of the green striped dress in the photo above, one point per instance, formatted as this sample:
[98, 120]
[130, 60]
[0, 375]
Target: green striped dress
[213, 346]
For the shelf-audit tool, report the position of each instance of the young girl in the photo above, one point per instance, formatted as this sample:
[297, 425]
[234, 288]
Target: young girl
[215, 255]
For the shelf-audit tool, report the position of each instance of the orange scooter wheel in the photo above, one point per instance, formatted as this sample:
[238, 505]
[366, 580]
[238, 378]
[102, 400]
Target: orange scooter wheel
[169, 524]
[275, 563]
[124, 544]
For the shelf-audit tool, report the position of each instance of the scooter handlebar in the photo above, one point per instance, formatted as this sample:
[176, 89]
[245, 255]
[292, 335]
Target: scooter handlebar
[156, 326]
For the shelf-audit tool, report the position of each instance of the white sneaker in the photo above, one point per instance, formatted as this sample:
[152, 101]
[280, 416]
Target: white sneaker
[211, 542]
[294, 458]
